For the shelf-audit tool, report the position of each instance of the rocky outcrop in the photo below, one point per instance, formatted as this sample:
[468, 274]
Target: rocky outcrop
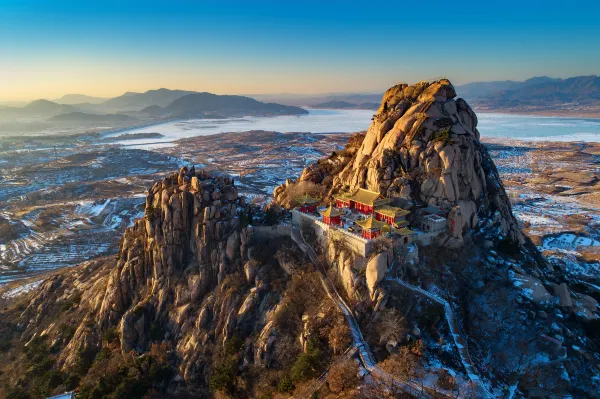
[423, 145]
[191, 229]
[347, 264]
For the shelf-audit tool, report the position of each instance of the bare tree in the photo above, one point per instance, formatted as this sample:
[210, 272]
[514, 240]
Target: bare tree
[391, 325]
[339, 337]
[343, 376]
[404, 365]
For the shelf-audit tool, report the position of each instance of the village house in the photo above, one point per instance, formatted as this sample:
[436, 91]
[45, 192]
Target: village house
[433, 223]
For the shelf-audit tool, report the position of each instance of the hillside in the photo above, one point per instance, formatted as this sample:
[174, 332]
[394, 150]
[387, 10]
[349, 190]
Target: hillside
[137, 101]
[212, 105]
[37, 108]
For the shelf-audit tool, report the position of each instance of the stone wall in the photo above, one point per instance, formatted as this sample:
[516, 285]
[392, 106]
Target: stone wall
[356, 243]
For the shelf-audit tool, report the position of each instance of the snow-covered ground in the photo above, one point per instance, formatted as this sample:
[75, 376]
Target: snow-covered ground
[23, 289]
[569, 241]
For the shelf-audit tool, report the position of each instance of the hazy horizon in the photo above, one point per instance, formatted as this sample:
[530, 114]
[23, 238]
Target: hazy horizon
[283, 94]
[267, 47]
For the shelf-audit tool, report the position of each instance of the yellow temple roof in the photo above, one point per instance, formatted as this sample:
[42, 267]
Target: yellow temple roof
[392, 211]
[342, 196]
[306, 200]
[331, 212]
[371, 223]
[365, 196]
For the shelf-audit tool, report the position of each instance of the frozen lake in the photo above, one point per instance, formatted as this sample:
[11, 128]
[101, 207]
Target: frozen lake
[538, 128]
[317, 121]
[519, 127]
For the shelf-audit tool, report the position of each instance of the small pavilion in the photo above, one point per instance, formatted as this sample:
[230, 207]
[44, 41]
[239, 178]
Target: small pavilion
[306, 203]
[371, 227]
[331, 216]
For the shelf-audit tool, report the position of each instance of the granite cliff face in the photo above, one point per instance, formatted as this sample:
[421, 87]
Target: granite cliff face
[189, 241]
[423, 145]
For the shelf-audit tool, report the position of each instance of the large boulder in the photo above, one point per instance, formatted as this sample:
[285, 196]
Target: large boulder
[564, 298]
[532, 289]
[376, 269]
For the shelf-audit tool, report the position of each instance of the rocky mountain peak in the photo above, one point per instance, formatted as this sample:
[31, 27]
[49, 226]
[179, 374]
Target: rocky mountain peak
[423, 146]
[191, 228]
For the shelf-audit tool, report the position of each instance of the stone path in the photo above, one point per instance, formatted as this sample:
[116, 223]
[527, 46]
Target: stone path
[459, 341]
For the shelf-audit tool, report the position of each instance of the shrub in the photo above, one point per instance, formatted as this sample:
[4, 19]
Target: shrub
[67, 331]
[306, 366]
[223, 376]
[85, 359]
[339, 337]
[16, 393]
[233, 345]
[443, 136]
[134, 377]
[110, 335]
[285, 384]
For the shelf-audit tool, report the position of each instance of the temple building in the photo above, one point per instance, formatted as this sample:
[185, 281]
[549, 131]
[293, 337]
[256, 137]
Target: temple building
[306, 203]
[362, 200]
[391, 215]
[372, 228]
[332, 216]
[342, 200]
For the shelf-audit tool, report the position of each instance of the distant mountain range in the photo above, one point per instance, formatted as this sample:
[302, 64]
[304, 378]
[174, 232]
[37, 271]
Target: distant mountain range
[539, 93]
[577, 94]
[161, 103]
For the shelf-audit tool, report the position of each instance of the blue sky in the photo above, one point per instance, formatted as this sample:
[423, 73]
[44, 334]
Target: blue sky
[49, 48]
